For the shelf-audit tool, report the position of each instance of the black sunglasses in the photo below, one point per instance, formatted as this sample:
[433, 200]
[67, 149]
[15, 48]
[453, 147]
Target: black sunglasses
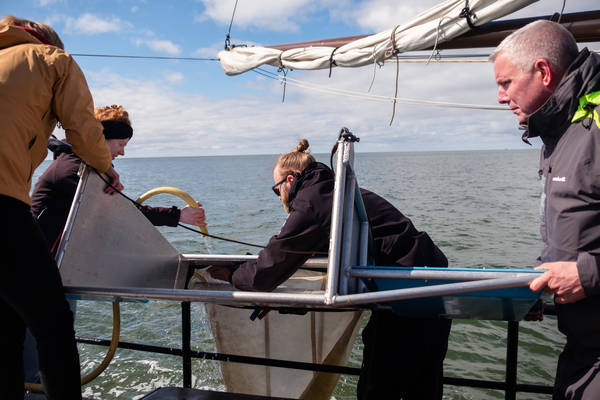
[276, 187]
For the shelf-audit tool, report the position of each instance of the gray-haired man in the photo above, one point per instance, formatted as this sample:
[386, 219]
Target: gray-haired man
[555, 91]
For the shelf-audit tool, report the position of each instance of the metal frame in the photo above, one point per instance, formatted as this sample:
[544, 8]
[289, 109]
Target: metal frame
[349, 246]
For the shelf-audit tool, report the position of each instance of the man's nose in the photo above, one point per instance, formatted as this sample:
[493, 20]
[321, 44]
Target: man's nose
[502, 96]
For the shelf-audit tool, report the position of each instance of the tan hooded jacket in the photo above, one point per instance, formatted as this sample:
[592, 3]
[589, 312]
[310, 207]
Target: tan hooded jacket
[40, 85]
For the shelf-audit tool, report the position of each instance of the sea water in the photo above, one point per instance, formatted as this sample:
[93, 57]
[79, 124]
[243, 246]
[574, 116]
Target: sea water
[480, 207]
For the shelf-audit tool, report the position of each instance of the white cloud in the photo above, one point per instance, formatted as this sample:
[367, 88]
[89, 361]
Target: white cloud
[135, 9]
[174, 77]
[91, 24]
[45, 3]
[266, 14]
[169, 122]
[379, 15]
[161, 46]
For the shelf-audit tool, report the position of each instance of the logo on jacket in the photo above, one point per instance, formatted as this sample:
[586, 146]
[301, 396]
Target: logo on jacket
[559, 179]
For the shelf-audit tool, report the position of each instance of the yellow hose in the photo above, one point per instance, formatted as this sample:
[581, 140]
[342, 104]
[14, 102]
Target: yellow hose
[114, 342]
[36, 387]
[176, 192]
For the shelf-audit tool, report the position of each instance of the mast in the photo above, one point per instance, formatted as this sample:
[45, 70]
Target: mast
[585, 26]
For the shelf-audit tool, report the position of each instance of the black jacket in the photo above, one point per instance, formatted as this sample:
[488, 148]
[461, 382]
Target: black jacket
[570, 206]
[55, 189]
[396, 240]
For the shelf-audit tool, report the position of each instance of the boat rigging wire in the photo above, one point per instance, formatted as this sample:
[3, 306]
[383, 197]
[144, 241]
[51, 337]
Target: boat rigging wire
[367, 96]
[144, 57]
[228, 37]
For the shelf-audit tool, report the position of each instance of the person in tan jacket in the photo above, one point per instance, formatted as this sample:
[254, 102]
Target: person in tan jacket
[40, 85]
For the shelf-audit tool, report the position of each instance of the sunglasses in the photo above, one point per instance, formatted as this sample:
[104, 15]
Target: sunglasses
[276, 187]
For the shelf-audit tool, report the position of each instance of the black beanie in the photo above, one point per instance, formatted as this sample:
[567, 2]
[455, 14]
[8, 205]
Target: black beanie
[117, 130]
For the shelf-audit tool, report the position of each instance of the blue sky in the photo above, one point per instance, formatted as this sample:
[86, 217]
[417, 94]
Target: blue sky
[191, 108]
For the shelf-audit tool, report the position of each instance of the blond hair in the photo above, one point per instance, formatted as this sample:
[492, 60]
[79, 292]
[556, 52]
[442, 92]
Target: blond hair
[112, 113]
[45, 30]
[541, 39]
[295, 161]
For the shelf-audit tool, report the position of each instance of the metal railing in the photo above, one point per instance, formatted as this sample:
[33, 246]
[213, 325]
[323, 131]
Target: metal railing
[509, 385]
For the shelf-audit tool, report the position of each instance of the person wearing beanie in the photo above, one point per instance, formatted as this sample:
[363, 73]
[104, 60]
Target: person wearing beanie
[55, 190]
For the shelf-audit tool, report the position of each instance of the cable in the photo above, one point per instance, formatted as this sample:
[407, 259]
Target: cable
[144, 57]
[348, 93]
[228, 37]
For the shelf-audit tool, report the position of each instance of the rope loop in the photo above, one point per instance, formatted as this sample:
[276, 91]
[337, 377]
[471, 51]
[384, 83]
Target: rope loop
[393, 51]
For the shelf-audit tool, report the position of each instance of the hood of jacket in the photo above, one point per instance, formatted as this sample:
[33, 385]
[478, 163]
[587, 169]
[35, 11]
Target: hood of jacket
[12, 36]
[582, 77]
[58, 147]
[312, 175]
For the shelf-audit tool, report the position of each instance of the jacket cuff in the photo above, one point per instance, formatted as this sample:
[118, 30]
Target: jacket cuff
[589, 273]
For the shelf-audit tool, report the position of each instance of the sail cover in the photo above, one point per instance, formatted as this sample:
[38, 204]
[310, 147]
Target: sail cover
[436, 25]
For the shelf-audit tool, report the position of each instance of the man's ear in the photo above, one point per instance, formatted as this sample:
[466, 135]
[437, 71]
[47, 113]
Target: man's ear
[542, 66]
[290, 178]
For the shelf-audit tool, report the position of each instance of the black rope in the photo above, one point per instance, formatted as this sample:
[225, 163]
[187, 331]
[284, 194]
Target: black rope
[313, 253]
[332, 61]
[144, 57]
[228, 37]
[467, 14]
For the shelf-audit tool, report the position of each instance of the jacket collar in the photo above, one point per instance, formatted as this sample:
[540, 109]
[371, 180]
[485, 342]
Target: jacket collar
[552, 119]
[316, 172]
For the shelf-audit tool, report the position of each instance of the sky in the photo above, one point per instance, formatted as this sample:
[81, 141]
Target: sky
[191, 108]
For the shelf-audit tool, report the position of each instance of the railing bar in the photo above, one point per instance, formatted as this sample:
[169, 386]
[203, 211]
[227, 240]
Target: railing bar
[448, 380]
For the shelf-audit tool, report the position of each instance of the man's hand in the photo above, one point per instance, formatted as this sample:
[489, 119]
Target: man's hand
[192, 216]
[560, 278]
[114, 180]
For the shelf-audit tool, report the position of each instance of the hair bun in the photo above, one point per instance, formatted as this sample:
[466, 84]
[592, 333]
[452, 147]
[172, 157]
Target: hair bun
[302, 146]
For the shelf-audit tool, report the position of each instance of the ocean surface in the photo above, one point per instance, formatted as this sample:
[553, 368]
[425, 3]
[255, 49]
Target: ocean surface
[480, 207]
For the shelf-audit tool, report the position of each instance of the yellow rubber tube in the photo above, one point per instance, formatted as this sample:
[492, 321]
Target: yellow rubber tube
[36, 387]
[176, 192]
[114, 342]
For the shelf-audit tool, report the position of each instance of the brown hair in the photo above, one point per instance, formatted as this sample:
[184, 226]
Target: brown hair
[295, 161]
[112, 113]
[45, 30]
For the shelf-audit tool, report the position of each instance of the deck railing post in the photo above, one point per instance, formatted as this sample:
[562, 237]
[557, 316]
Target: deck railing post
[512, 347]
[186, 328]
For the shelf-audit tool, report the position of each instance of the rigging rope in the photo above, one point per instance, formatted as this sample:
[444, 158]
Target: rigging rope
[144, 57]
[228, 37]
[348, 93]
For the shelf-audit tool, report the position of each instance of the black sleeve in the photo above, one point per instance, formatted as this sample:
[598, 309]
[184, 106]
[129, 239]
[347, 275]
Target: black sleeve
[277, 262]
[396, 239]
[160, 216]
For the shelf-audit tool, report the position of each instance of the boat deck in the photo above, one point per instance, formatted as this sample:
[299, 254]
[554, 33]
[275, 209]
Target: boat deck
[175, 393]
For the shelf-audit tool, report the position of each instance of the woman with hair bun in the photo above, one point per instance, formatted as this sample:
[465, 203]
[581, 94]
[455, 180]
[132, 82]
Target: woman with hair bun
[402, 357]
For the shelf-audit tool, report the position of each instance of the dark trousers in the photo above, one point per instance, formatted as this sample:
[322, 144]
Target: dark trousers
[577, 374]
[403, 358]
[31, 294]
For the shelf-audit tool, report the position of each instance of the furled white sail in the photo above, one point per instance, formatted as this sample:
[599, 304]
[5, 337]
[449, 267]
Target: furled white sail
[436, 25]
